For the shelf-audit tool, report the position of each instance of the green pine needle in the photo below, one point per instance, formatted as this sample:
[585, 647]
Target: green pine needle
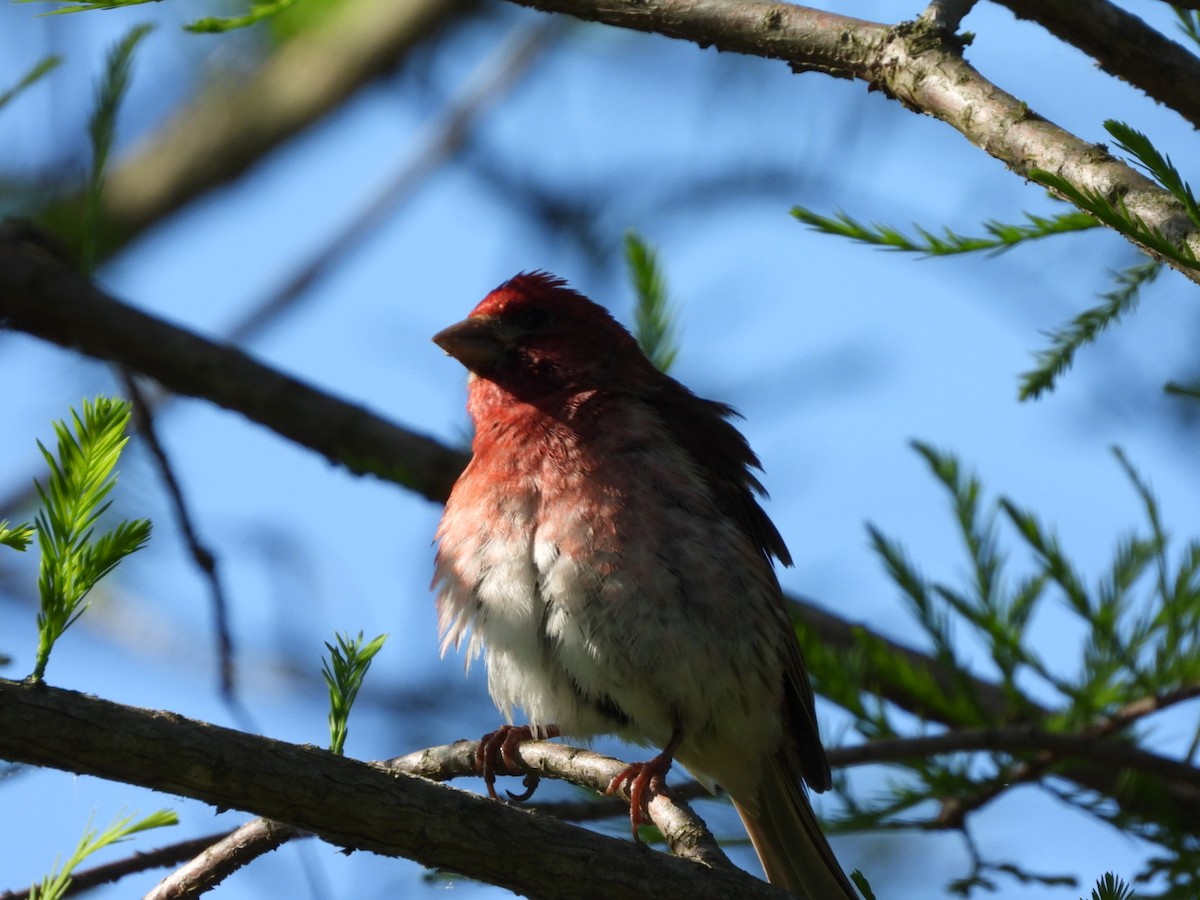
[1054, 560]
[1114, 214]
[1191, 389]
[1110, 887]
[864, 886]
[653, 316]
[101, 129]
[72, 500]
[1156, 164]
[1189, 23]
[1141, 615]
[258, 11]
[55, 885]
[88, 4]
[1001, 236]
[1065, 342]
[16, 537]
[42, 67]
[344, 671]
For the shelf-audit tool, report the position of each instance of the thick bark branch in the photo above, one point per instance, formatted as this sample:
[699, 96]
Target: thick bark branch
[43, 297]
[345, 802]
[914, 63]
[686, 835]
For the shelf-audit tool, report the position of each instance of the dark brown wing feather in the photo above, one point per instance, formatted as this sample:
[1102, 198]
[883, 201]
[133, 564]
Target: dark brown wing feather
[703, 429]
[727, 462]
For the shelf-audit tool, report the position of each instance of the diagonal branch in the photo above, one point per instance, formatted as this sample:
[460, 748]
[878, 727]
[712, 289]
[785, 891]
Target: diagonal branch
[219, 859]
[947, 15]
[238, 121]
[42, 297]
[916, 64]
[1124, 46]
[494, 78]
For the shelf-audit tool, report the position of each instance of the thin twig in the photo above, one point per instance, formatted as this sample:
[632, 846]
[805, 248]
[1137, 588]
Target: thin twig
[947, 14]
[222, 858]
[443, 138]
[608, 807]
[203, 557]
[142, 861]
[1142, 707]
[685, 833]
[1049, 747]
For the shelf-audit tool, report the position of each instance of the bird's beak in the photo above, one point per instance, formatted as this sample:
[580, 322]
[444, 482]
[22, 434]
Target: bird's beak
[478, 342]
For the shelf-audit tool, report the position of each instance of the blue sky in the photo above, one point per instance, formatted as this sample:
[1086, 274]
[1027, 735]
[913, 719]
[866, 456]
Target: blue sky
[838, 355]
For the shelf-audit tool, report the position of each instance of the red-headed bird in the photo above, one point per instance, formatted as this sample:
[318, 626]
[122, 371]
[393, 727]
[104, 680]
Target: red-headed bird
[605, 551]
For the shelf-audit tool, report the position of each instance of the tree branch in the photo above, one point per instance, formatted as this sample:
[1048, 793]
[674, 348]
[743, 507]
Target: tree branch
[916, 64]
[221, 858]
[686, 835]
[1114, 753]
[1124, 46]
[1178, 802]
[41, 296]
[238, 121]
[349, 804]
[947, 15]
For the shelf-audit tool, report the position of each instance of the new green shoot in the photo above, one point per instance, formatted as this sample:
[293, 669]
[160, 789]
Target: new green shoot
[82, 474]
[654, 328]
[55, 884]
[344, 670]
[17, 537]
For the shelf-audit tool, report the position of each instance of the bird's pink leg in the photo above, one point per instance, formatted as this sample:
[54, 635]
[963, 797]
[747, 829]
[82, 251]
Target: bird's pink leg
[638, 778]
[503, 742]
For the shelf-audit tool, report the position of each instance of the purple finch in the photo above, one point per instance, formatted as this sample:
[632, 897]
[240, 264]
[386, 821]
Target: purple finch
[606, 552]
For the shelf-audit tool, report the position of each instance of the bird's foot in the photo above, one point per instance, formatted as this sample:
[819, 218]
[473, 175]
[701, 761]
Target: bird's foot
[643, 782]
[503, 743]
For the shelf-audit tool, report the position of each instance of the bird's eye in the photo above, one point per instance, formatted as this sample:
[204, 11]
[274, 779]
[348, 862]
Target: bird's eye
[534, 318]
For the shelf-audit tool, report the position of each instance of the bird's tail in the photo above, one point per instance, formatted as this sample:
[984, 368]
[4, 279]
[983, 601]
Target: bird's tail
[784, 830]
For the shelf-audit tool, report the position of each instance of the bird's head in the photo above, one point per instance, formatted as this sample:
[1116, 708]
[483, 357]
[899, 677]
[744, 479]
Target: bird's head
[535, 337]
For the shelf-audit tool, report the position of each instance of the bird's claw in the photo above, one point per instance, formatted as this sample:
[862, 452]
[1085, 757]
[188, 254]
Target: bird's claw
[642, 782]
[503, 743]
[531, 782]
